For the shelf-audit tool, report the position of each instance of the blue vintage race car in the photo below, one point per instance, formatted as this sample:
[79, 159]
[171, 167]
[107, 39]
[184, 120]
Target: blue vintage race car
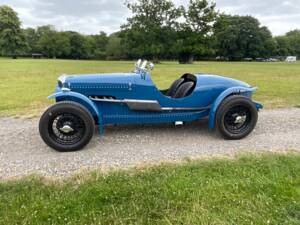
[132, 98]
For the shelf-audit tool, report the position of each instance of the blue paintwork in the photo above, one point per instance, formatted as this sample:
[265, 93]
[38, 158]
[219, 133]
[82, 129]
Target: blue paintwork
[209, 92]
[258, 106]
[241, 90]
[83, 100]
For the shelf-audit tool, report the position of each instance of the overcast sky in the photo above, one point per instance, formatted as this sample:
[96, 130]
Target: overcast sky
[91, 16]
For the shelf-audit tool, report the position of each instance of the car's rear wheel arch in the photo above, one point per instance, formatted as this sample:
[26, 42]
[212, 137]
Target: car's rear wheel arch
[233, 94]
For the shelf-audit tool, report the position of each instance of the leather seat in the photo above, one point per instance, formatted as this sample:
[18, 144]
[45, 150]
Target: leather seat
[184, 90]
[176, 84]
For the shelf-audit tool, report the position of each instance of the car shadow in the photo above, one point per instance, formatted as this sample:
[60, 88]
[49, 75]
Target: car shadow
[194, 128]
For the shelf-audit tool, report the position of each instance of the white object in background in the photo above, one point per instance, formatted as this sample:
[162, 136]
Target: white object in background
[291, 59]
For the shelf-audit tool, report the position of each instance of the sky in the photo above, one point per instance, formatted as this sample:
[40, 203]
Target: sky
[93, 16]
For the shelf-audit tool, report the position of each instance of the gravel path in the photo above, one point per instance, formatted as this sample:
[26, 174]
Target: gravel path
[22, 151]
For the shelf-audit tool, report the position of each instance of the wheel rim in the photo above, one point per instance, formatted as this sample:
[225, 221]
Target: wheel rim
[237, 119]
[67, 128]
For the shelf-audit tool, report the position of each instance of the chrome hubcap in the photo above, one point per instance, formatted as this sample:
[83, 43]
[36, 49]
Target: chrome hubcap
[240, 119]
[66, 129]
[237, 119]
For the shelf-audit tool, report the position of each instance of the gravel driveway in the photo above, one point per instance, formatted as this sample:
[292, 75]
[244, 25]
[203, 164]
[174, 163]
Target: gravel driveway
[23, 152]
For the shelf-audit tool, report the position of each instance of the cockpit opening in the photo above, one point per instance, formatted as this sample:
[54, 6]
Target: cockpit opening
[182, 87]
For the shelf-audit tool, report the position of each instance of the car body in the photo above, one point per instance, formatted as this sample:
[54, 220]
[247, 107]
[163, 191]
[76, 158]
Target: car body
[133, 98]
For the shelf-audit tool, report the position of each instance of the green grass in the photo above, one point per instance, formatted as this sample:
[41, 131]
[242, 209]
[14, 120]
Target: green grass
[25, 83]
[257, 190]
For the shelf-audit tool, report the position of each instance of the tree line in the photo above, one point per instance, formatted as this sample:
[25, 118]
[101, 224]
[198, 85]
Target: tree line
[157, 30]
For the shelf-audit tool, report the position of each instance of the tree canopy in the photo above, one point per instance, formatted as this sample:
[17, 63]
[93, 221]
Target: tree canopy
[195, 31]
[149, 31]
[240, 37]
[157, 30]
[293, 40]
[12, 41]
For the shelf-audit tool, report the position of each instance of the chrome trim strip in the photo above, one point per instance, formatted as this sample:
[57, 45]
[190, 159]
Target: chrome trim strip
[65, 89]
[122, 101]
[186, 109]
[106, 100]
[148, 105]
[134, 104]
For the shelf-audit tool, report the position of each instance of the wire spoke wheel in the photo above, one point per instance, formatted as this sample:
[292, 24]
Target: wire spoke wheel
[237, 119]
[67, 129]
[67, 126]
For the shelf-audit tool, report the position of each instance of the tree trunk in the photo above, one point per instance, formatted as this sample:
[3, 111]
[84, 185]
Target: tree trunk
[191, 59]
[186, 58]
[156, 60]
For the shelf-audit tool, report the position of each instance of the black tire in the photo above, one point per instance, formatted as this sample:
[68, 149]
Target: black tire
[236, 117]
[68, 115]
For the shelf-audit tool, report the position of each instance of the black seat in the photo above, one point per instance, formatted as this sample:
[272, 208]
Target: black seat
[184, 90]
[176, 84]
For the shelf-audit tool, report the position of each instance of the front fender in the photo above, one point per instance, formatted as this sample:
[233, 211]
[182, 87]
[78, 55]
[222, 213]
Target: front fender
[245, 91]
[79, 98]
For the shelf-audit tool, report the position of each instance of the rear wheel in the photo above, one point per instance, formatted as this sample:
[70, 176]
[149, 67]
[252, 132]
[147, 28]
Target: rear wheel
[66, 126]
[236, 117]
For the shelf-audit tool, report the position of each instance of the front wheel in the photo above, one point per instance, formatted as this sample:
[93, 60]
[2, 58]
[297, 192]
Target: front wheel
[236, 117]
[67, 126]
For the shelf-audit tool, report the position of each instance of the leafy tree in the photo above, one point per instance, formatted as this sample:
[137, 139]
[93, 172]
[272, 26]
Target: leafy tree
[50, 42]
[194, 33]
[63, 44]
[114, 48]
[46, 43]
[149, 32]
[157, 30]
[78, 45]
[31, 39]
[240, 37]
[12, 41]
[97, 45]
[282, 46]
[267, 44]
[294, 42]
[288, 44]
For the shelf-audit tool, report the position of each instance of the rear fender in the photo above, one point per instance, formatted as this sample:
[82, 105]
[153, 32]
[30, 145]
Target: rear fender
[244, 91]
[83, 100]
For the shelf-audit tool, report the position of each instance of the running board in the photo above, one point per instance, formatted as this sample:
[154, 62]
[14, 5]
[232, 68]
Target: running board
[147, 105]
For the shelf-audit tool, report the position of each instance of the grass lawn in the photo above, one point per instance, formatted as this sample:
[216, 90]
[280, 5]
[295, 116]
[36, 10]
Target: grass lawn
[26, 83]
[256, 190]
